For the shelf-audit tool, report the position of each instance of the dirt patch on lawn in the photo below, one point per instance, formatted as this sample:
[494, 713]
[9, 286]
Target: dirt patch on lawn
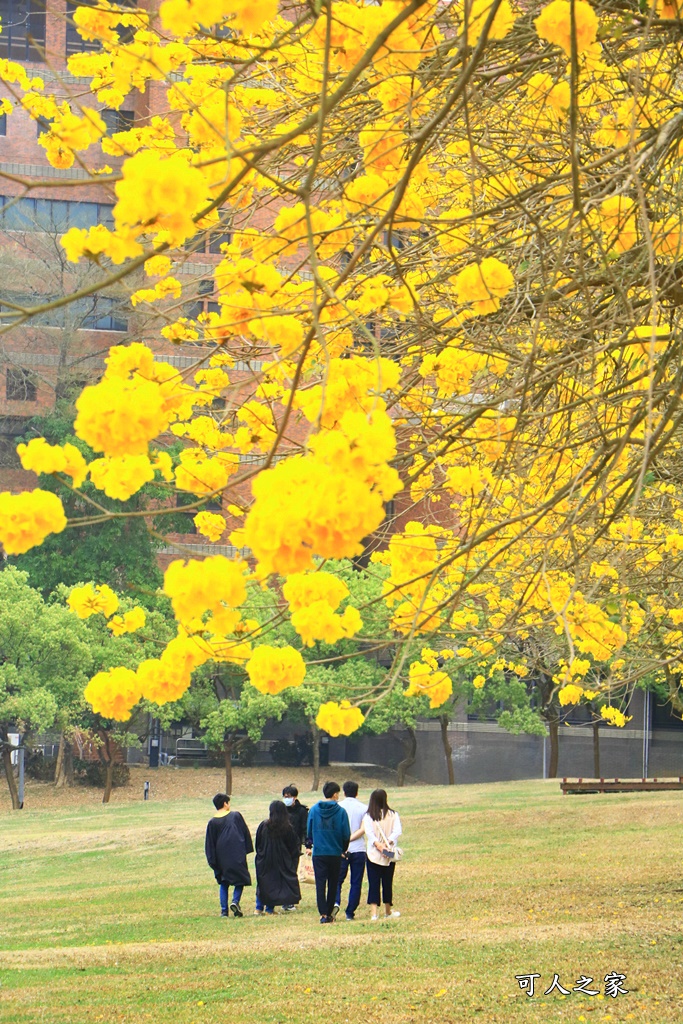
[199, 783]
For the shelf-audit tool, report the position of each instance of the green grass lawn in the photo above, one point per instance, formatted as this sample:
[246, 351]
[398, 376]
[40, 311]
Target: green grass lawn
[111, 914]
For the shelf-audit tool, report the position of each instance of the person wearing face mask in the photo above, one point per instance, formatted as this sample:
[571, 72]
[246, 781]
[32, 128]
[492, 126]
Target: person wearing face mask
[298, 815]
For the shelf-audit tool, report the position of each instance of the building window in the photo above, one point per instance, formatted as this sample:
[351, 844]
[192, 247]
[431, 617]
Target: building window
[51, 214]
[75, 42]
[42, 126]
[20, 386]
[103, 315]
[217, 238]
[118, 120]
[3, 124]
[211, 241]
[23, 29]
[204, 304]
[186, 524]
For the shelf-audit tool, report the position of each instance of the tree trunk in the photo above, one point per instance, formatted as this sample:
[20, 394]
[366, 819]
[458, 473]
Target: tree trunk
[69, 763]
[108, 762]
[596, 750]
[108, 782]
[9, 775]
[315, 733]
[410, 748]
[59, 774]
[554, 727]
[447, 748]
[227, 754]
[64, 769]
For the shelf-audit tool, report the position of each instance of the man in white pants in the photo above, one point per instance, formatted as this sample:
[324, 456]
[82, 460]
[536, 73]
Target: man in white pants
[354, 861]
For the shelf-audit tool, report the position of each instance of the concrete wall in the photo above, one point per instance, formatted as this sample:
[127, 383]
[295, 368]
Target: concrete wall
[483, 752]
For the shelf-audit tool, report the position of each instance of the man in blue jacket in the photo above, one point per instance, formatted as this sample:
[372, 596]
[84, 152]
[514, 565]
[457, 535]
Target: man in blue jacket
[328, 831]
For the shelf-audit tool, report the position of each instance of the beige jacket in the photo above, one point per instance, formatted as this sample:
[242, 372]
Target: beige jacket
[390, 826]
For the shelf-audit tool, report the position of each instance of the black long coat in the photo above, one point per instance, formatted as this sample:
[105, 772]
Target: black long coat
[277, 861]
[298, 815]
[228, 841]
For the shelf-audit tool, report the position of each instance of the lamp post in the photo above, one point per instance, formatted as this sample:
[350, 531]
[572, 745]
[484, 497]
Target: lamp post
[20, 761]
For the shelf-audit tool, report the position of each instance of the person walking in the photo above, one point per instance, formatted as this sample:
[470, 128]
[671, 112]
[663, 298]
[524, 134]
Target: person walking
[298, 812]
[328, 832]
[277, 861]
[298, 815]
[353, 861]
[228, 841]
[381, 827]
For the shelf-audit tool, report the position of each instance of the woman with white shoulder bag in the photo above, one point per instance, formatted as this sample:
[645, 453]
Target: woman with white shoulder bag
[382, 828]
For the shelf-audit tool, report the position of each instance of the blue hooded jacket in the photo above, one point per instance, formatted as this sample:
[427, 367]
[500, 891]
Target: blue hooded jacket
[329, 828]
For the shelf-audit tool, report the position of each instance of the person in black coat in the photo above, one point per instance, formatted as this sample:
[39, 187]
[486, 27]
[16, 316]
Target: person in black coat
[298, 813]
[277, 861]
[228, 841]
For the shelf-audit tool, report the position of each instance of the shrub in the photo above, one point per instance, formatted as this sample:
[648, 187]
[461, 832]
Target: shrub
[94, 773]
[293, 753]
[39, 767]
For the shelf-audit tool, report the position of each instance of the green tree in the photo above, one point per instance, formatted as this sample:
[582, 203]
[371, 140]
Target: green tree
[127, 650]
[45, 659]
[395, 709]
[221, 702]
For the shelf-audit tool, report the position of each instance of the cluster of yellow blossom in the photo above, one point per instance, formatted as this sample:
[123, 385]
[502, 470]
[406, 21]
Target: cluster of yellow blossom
[274, 669]
[555, 24]
[196, 587]
[210, 525]
[112, 694]
[614, 716]
[129, 622]
[41, 457]
[115, 693]
[69, 133]
[339, 719]
[91, 600]
[200, 473]
[327, 501]
[26, 519]
[424, 681]
[159, 193]
[483, 285]
[121, 476]
[130, 406]
[313, 599]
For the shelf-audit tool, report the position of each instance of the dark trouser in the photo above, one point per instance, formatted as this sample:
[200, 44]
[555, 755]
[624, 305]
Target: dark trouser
[355, 862]
[224, 898]
[384, 874]
[326, 877]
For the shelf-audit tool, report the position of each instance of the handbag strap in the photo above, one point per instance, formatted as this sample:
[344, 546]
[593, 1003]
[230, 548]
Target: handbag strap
[382, 833]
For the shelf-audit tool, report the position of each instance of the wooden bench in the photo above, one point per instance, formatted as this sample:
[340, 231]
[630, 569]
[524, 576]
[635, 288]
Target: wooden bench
[619, 785]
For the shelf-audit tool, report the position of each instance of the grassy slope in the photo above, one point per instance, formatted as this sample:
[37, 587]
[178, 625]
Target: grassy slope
[111, 914]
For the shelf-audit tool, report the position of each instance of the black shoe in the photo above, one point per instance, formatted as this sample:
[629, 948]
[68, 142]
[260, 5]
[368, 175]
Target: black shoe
[235, 907]
[326, 920]
[335, 911]
[224, 913]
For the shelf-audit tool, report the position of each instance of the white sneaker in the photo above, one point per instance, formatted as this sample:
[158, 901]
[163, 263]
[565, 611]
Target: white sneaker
[394, 913]
[374, 917]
